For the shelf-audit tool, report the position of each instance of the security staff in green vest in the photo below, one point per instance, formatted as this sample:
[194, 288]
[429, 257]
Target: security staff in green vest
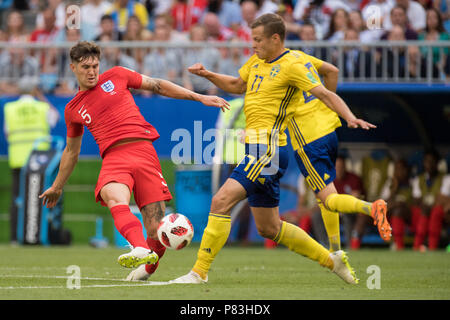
[26, 120]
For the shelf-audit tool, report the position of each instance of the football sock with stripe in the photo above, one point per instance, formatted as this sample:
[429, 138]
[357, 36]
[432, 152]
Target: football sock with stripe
[331, 223]
[345, 203]
[128, 225]
[214, 238]
[300, 242]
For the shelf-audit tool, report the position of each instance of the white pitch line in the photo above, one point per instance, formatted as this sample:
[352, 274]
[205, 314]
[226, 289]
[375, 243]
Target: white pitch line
[129, 284]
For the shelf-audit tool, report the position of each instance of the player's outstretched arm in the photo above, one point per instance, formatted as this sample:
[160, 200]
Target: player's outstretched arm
[172, 90]
[330, 75]
[69, 159]
[335, 103]
[225, 82]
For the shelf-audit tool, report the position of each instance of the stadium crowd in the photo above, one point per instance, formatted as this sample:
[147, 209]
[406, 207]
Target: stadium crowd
[55, 21]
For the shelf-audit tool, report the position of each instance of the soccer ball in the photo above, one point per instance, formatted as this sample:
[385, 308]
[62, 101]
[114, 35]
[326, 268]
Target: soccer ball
[175, 231]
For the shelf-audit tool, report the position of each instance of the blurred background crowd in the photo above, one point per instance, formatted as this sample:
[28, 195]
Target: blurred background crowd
[177, 22]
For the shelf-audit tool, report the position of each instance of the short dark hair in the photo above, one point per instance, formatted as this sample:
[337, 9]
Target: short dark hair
[272, 23]
[84, 50]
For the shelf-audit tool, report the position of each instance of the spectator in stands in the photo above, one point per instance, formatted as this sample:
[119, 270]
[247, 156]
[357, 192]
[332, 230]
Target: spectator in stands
[16, 64]
[308, 33]
[434, 31]
[266, 6]
[399, 18]
[228, 12]
[395, 65]
[347, 182]
[397, 192]
[357, 23]
[215, 31]
[318, 12]
[136, 32]
[292, 26]
[166, 21]
[162, 63]
[248, 12]
[121, 10]
[91, 13]
[356, 62]
[67, 82]
[113, 56]
[59, 9]
[15, 27]
[443, 6]
[108, 28]
[209, 57]
[47, 57]
[338, 25]
[185, 13]
[414, 12]
[426, 189]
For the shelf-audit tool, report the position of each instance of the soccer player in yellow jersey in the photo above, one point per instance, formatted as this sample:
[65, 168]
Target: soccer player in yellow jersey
[314, 140]
[272, 81]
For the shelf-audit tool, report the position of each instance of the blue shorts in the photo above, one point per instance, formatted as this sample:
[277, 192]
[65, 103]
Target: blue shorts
[316, 161]
[260, 171]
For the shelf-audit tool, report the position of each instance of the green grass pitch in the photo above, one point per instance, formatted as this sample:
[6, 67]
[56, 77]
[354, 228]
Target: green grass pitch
[247, 273]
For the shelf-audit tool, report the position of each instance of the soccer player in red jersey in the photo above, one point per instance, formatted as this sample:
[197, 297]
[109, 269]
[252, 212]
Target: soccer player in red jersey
[105, 105]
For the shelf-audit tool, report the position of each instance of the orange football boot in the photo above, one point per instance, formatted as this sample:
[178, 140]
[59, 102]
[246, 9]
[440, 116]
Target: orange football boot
[379, 211]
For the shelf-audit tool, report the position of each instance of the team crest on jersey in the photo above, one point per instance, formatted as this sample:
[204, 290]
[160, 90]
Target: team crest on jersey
[275, 70]
[108, 86]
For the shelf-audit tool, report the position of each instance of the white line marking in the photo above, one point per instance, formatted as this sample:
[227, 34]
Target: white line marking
[135, 283]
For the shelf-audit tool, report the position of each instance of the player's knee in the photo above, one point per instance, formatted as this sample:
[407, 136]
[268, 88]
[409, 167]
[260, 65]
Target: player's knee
[220, 203]
[268, 231]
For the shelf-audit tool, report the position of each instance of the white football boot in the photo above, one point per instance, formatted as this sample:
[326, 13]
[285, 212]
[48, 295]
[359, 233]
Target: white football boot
[138, 256]
[138, 274]
[190, 278]
[342, 268]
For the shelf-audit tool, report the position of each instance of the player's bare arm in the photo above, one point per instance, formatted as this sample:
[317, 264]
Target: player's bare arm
[225, 82]
[69, 159]
[172, 90]
[335, 103]
[330, 74]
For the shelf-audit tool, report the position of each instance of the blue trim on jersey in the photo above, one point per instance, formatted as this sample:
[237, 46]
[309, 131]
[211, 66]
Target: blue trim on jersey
[279, 57]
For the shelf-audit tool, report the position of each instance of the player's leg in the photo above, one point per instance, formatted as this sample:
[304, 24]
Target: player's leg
[152, 214]
[116, 196]
[216, 232]
[117, 199]
[218, 227]
[270, 226]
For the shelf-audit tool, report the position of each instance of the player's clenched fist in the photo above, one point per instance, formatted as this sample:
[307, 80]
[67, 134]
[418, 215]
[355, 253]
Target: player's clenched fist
[198, 69]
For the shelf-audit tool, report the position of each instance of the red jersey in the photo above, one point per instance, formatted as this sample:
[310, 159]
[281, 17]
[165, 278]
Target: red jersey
[108, 110]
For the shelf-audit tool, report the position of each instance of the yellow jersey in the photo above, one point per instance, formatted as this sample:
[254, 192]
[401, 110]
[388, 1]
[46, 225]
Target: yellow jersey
[312, 119]
[272, 95]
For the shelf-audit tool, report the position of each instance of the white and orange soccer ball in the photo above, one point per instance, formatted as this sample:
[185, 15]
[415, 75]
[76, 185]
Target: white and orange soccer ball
[175, 231]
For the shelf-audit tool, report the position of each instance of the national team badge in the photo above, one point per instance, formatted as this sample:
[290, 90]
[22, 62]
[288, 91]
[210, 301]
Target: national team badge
[108, 86]
[275, 70]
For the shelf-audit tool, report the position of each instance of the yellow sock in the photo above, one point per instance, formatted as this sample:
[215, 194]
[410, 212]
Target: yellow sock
[214, 238]
[345, 203]
[300, 242]
[331, 223]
